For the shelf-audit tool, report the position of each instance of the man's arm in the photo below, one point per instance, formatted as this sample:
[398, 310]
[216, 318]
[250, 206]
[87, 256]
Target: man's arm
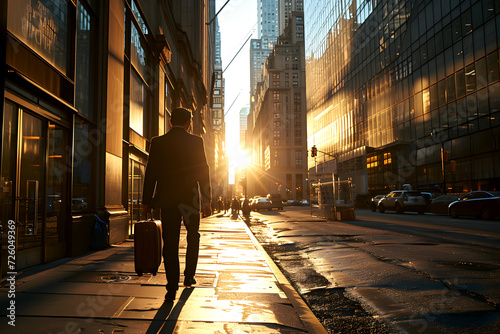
[150, 178]
[204, 176]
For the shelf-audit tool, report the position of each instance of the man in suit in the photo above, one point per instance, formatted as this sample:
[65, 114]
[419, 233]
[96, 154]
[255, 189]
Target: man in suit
[177, 179]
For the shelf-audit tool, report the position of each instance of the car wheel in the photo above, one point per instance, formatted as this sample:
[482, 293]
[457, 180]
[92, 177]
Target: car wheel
[381, 208]
[485, 213]
[453, 213]
[398, 208]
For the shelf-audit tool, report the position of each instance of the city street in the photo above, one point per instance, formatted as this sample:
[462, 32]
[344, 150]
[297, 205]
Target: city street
[418, 273]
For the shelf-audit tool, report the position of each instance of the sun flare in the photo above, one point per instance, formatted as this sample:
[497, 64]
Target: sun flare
[239, 159]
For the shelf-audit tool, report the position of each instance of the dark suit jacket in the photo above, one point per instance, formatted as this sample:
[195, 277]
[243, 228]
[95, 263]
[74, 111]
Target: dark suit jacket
[177, 165]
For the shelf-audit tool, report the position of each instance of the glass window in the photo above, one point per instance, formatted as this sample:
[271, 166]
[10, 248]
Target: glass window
[137, 102]
[477, 14]
[460, 81]
[479, 50]
[138, 56]
[482, 102]
[468, 49]
[139, 18]
[471, 107]
[442, 92]
[492, 64]
[83, 164]
[450, 88]
[461, 111]
[488, 9]
[447, 36]
[456, 26]
[470, 78]
[85, 41]
[448, 55]
[481, 73]
[458, 54]
[44, 26]
[452, 114]
[490, 35]
[439, 42]
[466, 22]
[494, 98]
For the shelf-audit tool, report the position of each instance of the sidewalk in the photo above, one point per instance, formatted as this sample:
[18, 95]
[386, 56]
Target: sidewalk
[239, 290]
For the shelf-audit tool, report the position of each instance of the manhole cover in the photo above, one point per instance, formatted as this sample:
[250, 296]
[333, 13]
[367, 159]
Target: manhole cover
[115, 278]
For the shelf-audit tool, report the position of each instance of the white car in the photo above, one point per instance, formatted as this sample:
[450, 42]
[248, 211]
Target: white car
[403, 200]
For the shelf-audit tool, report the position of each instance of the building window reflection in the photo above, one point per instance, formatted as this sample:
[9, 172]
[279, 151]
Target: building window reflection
[85, 149]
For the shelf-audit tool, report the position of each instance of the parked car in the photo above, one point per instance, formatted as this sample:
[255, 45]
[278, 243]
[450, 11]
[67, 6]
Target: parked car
[305, 202]
[78, 203]
[262, 204]
[374, 202]
[481, 204]
[403, 200]
[440, 204]
[293, 202]
[275, 201]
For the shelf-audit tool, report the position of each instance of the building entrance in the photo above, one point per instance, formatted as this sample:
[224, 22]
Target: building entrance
[34, 179]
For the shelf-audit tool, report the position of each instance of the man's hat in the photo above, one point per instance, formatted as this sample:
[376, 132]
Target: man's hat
[180, 116]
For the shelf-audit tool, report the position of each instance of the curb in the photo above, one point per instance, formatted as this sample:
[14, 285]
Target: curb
[310, 321]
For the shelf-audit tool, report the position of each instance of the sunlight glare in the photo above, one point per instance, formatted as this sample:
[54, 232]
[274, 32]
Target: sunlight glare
[239, 159]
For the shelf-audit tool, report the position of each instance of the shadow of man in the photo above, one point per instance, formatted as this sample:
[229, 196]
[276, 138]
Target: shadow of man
[165, 319]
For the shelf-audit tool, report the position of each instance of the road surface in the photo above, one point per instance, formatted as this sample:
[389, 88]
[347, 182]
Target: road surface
[417, 273]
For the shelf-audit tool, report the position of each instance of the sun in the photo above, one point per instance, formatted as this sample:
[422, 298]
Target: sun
[239, 159]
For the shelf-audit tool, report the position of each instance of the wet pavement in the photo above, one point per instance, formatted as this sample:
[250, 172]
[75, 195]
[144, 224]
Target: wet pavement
[419, 273]
[239, 290]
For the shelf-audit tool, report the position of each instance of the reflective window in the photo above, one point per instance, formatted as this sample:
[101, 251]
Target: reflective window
[137, 102]
[85, 68]
[86, 141]
[44, 26]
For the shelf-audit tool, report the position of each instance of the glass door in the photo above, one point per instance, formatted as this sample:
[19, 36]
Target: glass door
[30, 185]
[56, 190]
[34, 182]
[135, 184]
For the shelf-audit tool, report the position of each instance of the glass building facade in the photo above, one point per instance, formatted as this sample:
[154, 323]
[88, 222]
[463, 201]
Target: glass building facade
[405, 92]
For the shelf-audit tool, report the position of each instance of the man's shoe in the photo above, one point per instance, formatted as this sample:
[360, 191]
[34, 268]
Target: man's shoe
[170, 296]
[188, 281]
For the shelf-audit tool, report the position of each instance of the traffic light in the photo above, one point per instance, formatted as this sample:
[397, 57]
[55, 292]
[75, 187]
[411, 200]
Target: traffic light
[314, 151]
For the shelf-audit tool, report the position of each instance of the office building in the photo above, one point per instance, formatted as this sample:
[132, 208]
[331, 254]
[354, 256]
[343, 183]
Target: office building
[86, 86]
[405, 92]
[279, 133]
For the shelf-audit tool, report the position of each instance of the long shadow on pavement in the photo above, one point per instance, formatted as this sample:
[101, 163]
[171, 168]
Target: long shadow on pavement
[166, 318]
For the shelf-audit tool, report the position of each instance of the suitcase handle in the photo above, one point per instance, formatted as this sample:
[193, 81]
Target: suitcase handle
[150, 213]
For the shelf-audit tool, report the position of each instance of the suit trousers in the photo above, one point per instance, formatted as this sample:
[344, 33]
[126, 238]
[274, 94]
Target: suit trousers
[171, 218]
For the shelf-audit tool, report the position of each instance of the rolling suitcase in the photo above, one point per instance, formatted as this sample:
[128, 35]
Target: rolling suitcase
[147, 246]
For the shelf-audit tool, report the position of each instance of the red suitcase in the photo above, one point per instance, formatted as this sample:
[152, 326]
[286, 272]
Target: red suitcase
[147, 246]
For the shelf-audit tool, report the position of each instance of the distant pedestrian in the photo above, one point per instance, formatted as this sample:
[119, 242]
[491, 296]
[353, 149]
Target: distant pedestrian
[176, 172]
[235, 206]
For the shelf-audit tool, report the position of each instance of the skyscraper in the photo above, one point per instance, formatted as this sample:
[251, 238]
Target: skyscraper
[405, 92]
[243, 125]
[272, 18]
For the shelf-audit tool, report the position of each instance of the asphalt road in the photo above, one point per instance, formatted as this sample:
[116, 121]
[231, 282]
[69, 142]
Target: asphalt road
[385, 273]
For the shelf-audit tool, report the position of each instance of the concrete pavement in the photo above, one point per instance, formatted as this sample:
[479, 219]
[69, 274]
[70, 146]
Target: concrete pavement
[239, 290]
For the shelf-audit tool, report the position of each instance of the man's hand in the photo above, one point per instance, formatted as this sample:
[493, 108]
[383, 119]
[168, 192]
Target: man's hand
[145, 210]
